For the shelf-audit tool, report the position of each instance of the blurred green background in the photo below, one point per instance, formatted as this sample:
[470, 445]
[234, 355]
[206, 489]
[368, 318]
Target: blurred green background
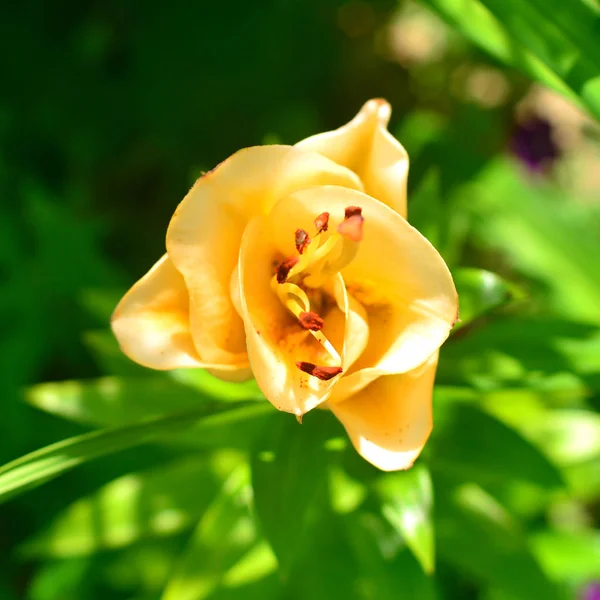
[108, 112]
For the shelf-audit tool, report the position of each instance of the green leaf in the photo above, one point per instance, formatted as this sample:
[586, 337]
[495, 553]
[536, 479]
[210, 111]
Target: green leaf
[568, 436]
[550, 41]
[328, 566]
[407, 502]
[471, 445]
[477, 536]
[225, 535]
[289, 477]
[544, 234]
[521, 352]
[138, 506]
[449, 153]
[105, 349]
[253, 576]
[347, 493]
[565, 555]
[61, 580]
[584, 480]
[564, 35]
[385, 565]
[140, 571]
[209, 385]
[42, 465]
[480, 292]
[112, 401]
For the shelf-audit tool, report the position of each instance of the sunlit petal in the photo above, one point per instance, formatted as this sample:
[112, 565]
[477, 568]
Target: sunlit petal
[397, 275]
[151, 324]
[390, 420]
[204, 236]
[355, 327]
[366, 146]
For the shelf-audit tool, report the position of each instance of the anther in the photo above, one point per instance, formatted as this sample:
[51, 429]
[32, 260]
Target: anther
[311, 321]
[322, 222]
[322, 373]
[352, 227]
[301, 240]
[351, 211]
[285, 267]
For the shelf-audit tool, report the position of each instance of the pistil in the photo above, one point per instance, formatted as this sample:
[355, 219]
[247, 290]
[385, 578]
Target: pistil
[352, 211]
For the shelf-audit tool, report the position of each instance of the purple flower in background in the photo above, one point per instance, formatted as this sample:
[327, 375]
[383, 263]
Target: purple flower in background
[532, 142]
[591, 591]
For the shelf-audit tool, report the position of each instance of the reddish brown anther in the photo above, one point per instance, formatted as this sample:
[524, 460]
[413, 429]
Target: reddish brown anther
[322, 373]
[322, 222]
[351, 211]
[285, 267]
[302, 240]
[352, 228]
[310, 320]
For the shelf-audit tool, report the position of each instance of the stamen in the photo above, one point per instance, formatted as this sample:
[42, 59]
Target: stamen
[352, 227]
[317, 260]
[284, 290]
[351, 211]
[310, 320]
[322, 222]
[339, 250]
[326, 249]
[322, 373]
[327, 345]
[307, 258]
[285, 267]
[302, 240]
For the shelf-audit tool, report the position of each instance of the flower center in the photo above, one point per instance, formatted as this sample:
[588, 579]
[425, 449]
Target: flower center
[312, 267]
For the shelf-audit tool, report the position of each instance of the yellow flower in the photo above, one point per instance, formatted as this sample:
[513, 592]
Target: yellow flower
[295, 264]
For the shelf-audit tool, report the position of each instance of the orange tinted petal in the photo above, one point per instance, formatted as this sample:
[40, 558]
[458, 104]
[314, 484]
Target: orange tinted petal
[366, 146]
[390, 420]
[151, 322]
[205, 233]
[397, 275]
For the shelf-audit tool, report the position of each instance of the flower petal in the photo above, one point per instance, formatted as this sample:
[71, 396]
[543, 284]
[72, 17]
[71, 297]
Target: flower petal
[390, 420]
[397, 275]
[151, 324]
[204, 236]
[366, 146]
[276, 342]
[355, 328]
